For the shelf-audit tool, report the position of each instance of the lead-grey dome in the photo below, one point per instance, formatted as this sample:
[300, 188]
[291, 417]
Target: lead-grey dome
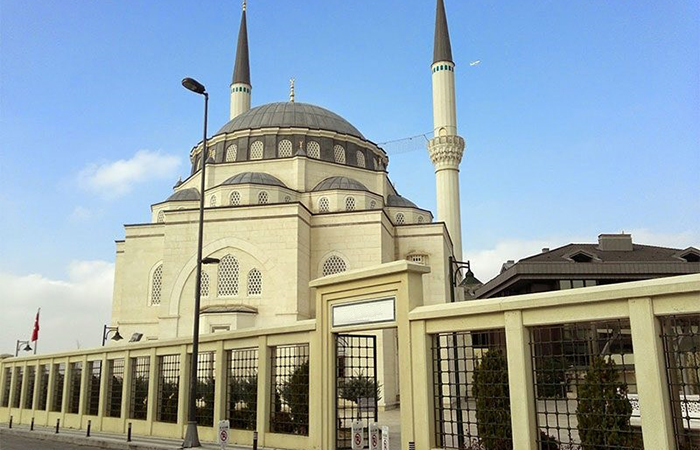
[184, 195]
[254, 178]
[288, 114]
[400, 202]
[346, 183]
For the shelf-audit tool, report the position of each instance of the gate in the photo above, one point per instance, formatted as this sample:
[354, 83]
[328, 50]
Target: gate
[356, 387]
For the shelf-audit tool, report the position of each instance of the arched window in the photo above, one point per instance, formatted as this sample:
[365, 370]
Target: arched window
[235, 198]
[228, 276]
[263, 198]
[372, 204]
[349, 203]
[231, 153]
[313, 149]
[256, 150]
[157, 285]
[284, 148]
[161, 217]
[360, 159]
[204, 288]
[400, 219]
[339, 154]
[212, 200]
[334, 264]
[254, 282]
[287, 199]
[324, 205]
[421, 219]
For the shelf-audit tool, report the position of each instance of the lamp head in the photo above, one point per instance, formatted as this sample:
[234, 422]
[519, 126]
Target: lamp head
[27, 348]
[194, 85]
[117, 336]
[210, 260]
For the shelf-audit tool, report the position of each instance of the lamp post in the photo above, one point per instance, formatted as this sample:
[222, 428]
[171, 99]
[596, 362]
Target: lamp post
[105, 334]
[191, 435]
[26, 348]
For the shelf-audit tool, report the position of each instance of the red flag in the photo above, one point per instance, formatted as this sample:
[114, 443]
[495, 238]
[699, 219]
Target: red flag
[35, 333]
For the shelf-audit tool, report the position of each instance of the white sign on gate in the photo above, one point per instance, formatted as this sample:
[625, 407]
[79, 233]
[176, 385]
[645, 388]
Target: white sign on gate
[374, 436]
[223, 433]
[385, 438]
[358, 435]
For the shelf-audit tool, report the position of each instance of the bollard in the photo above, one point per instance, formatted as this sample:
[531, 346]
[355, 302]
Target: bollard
[255, 440]
[10, 421]
[31, 425]
[411, 446]
[128, 433]
[58, 421]
[88, 428]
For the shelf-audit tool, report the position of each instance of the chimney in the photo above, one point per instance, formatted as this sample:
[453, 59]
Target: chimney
[615, 242]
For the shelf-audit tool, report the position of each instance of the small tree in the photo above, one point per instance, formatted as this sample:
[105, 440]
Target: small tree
[604, 411]
[493, 401]
[359, 386]
[295, 392]
[551, 377]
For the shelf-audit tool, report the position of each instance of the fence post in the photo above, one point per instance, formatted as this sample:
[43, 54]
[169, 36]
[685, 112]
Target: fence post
[520, 382]
[423, 408]
[650, 370]
[264, 375]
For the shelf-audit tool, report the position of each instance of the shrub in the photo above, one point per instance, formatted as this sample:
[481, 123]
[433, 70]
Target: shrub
[493, 401]
[551, 377]
[359, 386]
[295, 393]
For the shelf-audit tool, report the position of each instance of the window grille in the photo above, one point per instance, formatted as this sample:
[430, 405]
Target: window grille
[360, 159]
[59, 380]
[256, 150]
[161, 216]
[284, 148]
[421, 219]
[140, 373]
[228, 276]
[242, 388]
[372, 204]
[349, 203]
[6, 387]
[470, 388]
[289, 396]
[157, 285]
[254, 282]
[313, 149]
[19, 374]
[235, 198]
[334, 264]
[204, 403]
[212, 201]
[324, 205]
[168, 388]
[287, 199]
[418, 259]
[339, 154]
[231, 153]
[76, 372]
[400, 219]
[584, 382]
[93, 392]
[43, 375]
[204, 287]
[263, 197]
[115, 386]
[681, 335]
[29, 394]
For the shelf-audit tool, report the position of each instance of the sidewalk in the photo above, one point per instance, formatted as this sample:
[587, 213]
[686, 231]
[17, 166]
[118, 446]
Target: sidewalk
[102, 440]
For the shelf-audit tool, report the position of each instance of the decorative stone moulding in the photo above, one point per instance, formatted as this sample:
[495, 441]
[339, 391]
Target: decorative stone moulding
[446, 151]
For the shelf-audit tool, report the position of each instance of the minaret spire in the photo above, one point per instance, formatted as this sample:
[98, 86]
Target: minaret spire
[447, 147]
[240, 82]
[291, 90]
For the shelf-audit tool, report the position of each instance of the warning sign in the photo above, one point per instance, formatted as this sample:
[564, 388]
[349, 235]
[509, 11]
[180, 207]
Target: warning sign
[374, 436]
[358, 435]
[385, 438]
[223, 432]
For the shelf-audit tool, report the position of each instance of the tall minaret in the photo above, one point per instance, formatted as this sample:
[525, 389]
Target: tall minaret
[240, 83]
[446, 148]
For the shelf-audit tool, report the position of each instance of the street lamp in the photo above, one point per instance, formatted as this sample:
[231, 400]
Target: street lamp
[105, 334]
[191, 436]
[26, 347]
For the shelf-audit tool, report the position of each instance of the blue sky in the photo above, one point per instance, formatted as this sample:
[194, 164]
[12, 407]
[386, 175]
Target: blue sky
[582, 118]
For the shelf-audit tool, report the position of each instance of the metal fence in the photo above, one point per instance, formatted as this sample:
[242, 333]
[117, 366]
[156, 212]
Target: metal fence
[140, 375]
[242, 388]
[289, 392]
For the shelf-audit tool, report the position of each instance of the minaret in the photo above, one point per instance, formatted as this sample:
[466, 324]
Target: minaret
[446, 148]
[240, 83]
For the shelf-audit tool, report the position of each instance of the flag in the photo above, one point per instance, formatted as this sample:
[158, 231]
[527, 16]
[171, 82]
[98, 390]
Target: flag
[35, 333]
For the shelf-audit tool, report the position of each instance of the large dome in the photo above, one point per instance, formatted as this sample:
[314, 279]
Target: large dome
[288, 114]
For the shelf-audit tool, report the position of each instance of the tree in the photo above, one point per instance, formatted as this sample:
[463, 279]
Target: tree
[295, 393]
[604, 411]
[551, 377]
[359, 386]
[493, 401]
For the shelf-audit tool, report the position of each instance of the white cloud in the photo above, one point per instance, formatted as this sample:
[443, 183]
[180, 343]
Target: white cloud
[72, 311]
[114, 179]
[80, 214]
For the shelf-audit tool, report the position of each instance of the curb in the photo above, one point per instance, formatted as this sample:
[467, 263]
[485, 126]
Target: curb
[94, 442]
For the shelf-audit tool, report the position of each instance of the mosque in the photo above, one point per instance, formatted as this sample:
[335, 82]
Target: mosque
[294, 192]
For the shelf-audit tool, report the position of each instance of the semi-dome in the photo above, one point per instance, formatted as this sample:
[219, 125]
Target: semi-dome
[254, 178]
[291, 114]
[399, 202]
[345, 183]
[184, 195]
